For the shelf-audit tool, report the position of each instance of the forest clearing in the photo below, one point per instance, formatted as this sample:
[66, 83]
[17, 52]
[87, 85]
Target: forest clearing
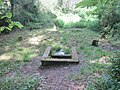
[60, 45]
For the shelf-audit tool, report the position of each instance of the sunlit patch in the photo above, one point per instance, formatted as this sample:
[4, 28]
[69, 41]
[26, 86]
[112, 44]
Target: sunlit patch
[97, 74]
[70, 18]
[102, 60]
[53, 29]
[35, 40]
[93, 61]
[23, 54]
[49, 4]
[37, 50]
[5, 57]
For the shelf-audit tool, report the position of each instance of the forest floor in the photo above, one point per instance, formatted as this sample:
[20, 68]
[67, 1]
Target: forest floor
[20, 62]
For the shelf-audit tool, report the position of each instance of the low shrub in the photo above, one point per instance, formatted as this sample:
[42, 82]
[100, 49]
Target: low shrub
[70, 25]
[59, 23]
[7, 24]
[95, 26]
[81, 24]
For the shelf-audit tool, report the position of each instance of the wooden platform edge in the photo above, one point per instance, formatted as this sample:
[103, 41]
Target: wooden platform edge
[74, 58]
[74, 54]
[58, 60]
[47, 52]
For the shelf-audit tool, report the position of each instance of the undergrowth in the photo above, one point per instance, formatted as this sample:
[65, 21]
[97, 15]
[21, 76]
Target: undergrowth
[23, 51]
[20, 82]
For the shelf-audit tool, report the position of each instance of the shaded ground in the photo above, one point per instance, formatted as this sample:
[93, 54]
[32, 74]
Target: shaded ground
[56, 76]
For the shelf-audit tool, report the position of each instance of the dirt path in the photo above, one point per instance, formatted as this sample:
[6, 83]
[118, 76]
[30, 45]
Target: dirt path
[55, 77]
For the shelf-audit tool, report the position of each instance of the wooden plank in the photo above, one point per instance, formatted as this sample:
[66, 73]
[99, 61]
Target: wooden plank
[62, 55]
[74, 54]
[58, 60]
[47, 52]
[66, 56]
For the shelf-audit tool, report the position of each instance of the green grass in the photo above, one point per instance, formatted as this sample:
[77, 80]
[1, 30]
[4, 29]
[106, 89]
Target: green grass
[19, 53]
[14, 55]
[20, 82]
[58, 48]
[7, 67]
[82, 39]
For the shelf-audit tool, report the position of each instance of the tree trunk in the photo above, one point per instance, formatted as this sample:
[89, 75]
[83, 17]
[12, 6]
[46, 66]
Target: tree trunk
[12, 7]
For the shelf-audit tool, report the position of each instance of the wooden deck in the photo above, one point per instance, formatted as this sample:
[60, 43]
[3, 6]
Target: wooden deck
[72, 58]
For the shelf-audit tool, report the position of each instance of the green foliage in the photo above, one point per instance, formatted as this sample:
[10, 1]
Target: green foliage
[84, 37]
[87, 3]
[7, 15]
[26, 57]
[11, 23]
[59, 23]
[33, 20]
[92, 68]
[67, 50]
[116, 31]
[58, 48]
[103, 83]
[0, 2]
[19, 82]
[95, 26]
[7, 22]
[81, 24]
[110, 80]
[30, 15]
[117, 26]
[7, 66]
[65, 10]
[18, 24]
[70, 25]
[106, 10]
[114, 70]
